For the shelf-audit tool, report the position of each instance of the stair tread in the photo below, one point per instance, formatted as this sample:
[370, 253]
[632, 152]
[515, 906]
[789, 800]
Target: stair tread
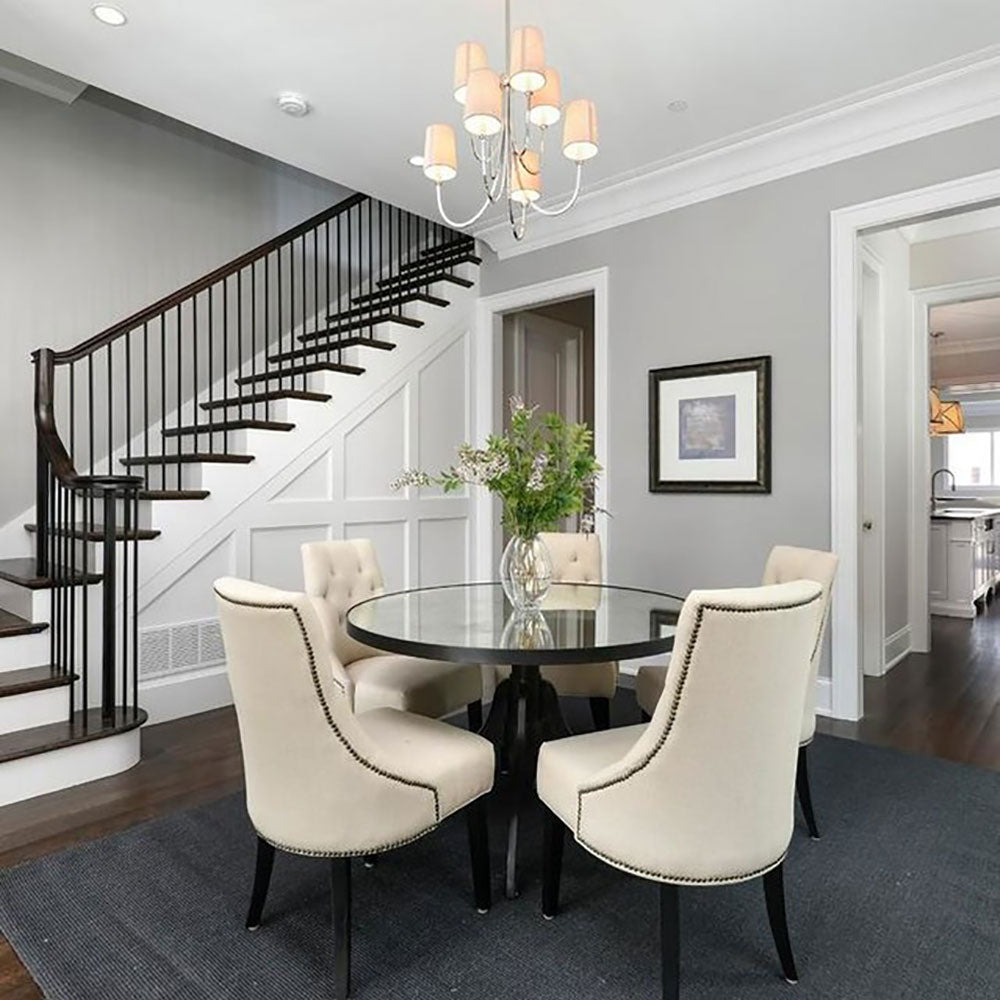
[96, 534]
[444, 260]
[24, 573]
[81, 728]
[270, 396]
[449, 247]
[11, 625]
[188, 458]
[32, 679]
[316, 366]
[336, 328]
[174, 494]
[332, 345]
[386, 300]
[229, 425]
[406, 283]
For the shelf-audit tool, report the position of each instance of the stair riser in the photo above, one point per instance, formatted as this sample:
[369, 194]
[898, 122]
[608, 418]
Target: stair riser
[191, 477]
[34, 708]
[424, 311]
[84, 516]
[276, 409]
[31, 650]
[48, 772]
[32, 605]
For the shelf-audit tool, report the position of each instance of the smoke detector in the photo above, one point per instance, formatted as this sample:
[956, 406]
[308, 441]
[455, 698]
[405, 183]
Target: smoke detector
[293, 104]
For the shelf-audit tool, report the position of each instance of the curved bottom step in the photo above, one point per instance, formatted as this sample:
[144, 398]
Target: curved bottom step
[49, 758]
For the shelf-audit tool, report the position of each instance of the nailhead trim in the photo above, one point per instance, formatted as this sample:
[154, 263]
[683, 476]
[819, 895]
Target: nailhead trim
[674, 708]
[378, 849]
[329, 715]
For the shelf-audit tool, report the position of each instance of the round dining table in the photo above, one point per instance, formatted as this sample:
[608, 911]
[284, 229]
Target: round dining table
[473, 623]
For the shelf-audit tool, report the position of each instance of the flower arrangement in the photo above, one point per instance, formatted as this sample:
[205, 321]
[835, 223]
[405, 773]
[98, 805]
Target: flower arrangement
[543, 469]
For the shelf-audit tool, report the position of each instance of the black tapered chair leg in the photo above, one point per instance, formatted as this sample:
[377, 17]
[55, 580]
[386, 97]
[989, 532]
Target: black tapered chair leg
[552, 853]
[804, 792]
[670, 941]
[474, 710]
[477, 822]
[261, 881]
[774, 894]
[340, 898]
[600, 709]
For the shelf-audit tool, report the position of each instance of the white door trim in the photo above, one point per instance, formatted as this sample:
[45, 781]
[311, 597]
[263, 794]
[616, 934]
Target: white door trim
[488, 364]
[920, 504]
[845, 225]
[872, 496]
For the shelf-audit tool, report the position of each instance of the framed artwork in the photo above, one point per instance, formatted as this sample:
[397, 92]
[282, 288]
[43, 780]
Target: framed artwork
[710, 427]
[662, 622]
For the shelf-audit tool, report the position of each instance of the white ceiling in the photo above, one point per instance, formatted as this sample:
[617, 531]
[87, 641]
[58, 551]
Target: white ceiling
[975, 323]
[377, 73]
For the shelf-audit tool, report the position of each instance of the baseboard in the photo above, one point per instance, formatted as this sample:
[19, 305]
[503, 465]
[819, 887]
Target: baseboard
[167, 698]
[824, 696]
[897, 647]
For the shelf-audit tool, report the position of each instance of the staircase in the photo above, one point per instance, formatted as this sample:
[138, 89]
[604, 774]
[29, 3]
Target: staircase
[134, 416]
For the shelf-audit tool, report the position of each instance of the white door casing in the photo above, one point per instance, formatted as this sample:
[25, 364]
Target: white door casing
[845, 225]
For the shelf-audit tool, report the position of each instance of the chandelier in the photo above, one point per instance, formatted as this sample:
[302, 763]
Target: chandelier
[507, 118]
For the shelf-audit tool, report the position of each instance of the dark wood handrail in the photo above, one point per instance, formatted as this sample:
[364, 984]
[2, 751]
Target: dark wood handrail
[122, 327]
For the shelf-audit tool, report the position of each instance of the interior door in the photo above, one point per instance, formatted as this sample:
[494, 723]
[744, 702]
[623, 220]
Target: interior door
[546, 369]
[871, 438]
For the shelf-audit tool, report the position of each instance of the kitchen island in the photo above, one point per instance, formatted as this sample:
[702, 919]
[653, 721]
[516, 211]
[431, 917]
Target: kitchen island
[964, 559]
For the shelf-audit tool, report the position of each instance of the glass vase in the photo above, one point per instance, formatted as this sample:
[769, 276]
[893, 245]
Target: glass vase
[525, 572]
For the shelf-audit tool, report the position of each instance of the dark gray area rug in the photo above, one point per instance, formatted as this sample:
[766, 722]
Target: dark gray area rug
[901, 899]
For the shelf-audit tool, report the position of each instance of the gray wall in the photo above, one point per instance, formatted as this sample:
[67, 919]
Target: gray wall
[741, 275]
[106, 207]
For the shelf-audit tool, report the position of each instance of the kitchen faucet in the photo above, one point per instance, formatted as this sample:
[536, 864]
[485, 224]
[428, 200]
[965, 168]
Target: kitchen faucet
[934, 477]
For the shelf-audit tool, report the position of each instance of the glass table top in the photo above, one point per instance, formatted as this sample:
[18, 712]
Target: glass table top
[474, 622]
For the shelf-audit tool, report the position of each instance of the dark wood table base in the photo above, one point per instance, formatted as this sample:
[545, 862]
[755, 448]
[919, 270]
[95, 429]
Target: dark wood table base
[524, 714]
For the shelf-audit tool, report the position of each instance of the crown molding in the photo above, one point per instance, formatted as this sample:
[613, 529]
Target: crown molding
[947, 96]
[41, 79]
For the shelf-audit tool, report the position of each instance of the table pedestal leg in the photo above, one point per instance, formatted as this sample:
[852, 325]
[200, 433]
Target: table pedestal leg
[525, 713]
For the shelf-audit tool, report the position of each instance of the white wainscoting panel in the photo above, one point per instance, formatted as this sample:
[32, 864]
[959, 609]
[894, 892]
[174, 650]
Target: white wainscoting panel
[443, 550]
[315, 482]
[391, 540]
[375, 450]
[275, 557]
[442, 409]
[185, 600]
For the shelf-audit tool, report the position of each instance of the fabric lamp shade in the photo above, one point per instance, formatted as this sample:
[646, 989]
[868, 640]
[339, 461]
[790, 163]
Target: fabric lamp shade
[483, 100]
[579, 130]
[468, 56]
[935, 405]
[527, 59]
[440, 154]
[952, 418]
[526, 177]
[544, 105]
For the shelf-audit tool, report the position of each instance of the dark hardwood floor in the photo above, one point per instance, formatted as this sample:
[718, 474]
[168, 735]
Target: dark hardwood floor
[945, 703]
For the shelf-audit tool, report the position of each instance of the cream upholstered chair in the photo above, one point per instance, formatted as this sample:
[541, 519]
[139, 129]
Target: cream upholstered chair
[576, 558]
[785, 563]
[704, 794]
[323, 781]
[341, 573]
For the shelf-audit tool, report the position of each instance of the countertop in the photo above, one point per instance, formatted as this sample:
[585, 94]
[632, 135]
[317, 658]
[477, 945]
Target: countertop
[972, 514]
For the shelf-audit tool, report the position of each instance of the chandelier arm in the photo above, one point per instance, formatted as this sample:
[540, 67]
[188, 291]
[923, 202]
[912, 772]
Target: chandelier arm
[454, 223]
[569, 204]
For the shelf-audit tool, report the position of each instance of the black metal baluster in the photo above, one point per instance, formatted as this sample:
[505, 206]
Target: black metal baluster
[267, 336]
[127, 529]
[163, 400]
[145, 400]
[88, 505]
[110, 399]
[178, 407]
[253, 336]
[135, 612]
[128, 399]
[291, 307]
[326, 298]
[239, 334]
[108, 609]
[90, 407]
[371, 271]
[340, 268]
[73, 584]
[302, 324]
[194, 371]
[211, 372]
[225, 366]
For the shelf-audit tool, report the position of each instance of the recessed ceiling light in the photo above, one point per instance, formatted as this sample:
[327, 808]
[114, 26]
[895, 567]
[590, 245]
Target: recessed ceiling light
[416, 160]
[107, 14]
[677, 106]
[293, 104]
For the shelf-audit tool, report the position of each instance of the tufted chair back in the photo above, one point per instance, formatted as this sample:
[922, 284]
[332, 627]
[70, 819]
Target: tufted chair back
[716, 765]
[576, 557]
[338, 574]
[309, 765]
[786, 563]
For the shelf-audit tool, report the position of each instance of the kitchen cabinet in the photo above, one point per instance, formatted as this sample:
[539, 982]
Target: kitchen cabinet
[964, 560]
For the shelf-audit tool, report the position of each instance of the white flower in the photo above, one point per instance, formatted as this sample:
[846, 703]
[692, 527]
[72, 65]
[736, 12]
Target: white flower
[536, 480]
[410, 477]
